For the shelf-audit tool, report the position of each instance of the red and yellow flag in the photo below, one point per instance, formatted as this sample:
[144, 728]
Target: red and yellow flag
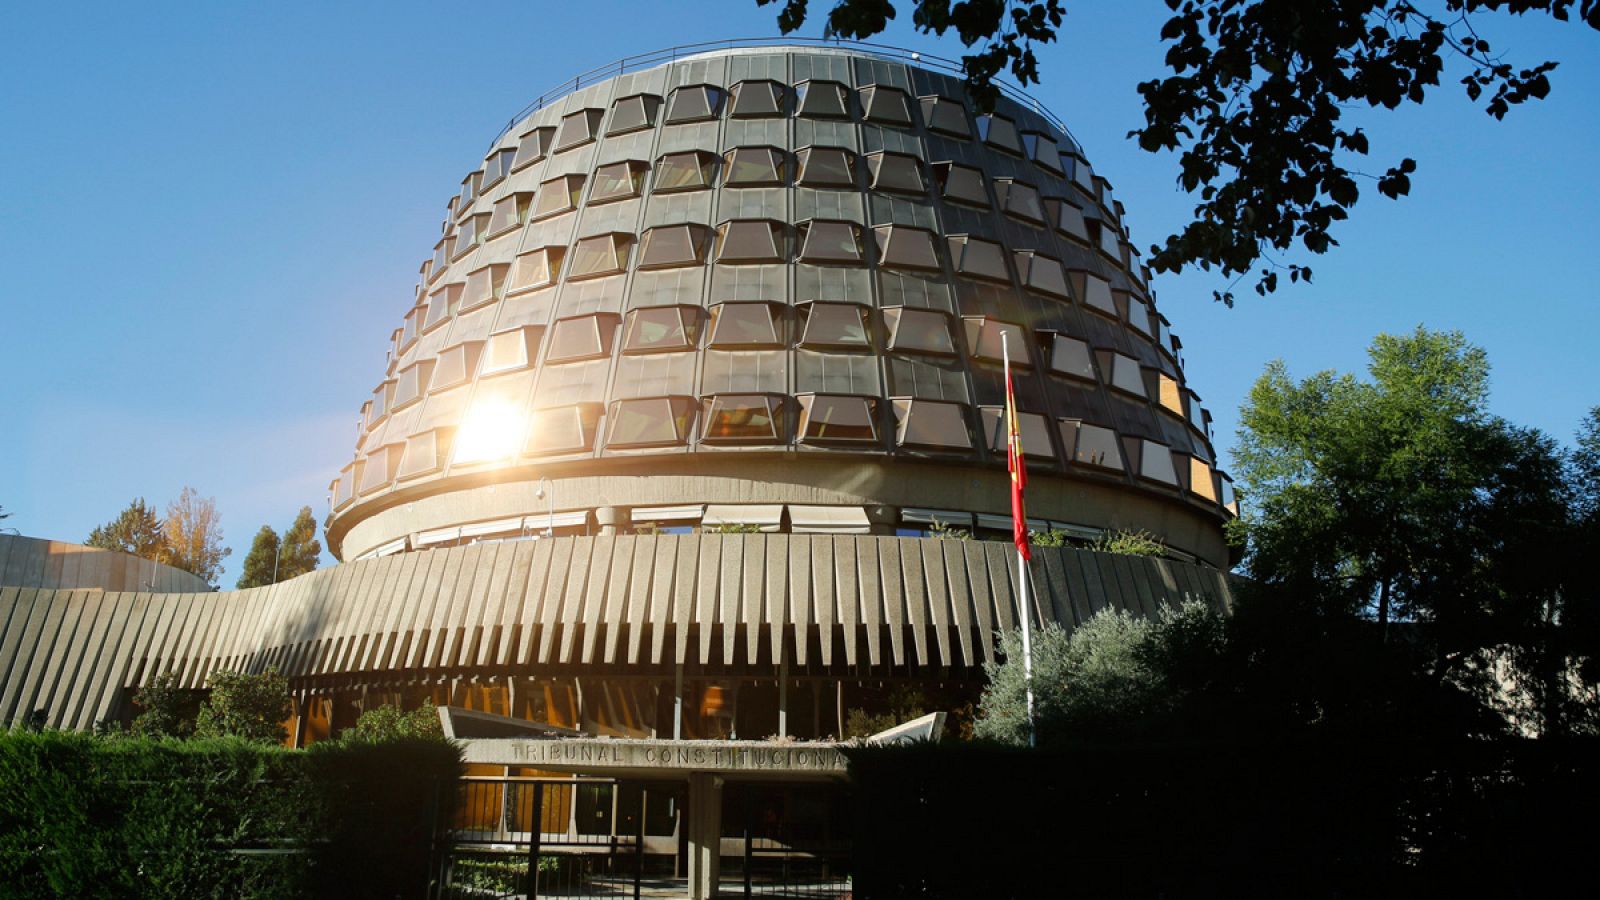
[1019, 470]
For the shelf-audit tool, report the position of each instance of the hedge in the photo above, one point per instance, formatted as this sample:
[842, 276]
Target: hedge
[133, 817]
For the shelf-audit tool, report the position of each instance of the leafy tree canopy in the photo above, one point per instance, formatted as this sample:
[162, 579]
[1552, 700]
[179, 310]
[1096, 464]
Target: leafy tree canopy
[136, 530]
[301, 550]
[261, 560]
[165, 708]
[390, 723]
[253, 707]
[1254, 101]
[194, 535]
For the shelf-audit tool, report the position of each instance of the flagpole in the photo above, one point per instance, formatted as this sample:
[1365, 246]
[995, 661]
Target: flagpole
[1025, 608]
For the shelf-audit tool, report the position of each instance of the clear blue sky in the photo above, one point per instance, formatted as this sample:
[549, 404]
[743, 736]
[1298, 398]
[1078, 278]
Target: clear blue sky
[213, 218]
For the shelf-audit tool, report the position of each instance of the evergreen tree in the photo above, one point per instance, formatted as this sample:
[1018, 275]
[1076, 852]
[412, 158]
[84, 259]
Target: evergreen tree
[262, 559]
[301, 549]
[136, 530]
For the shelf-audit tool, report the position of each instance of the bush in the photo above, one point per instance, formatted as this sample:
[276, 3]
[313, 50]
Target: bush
[82, 816]
[389, 722]
[252, 707]
[167, 709]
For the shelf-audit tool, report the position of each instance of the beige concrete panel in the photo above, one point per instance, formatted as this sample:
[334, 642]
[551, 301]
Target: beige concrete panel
[208, 653]
[1095, 587]
[1053, 584]
[144, 655]
[567, 556]
[525, 622]
[936, 584]
[407, 587]
[110, 614]
[661, 594]
[709, 572]
[748, 611]
[153, 654]
[121, 662]
[613, 612]
[363, 629]
[309, 622]
[869, 578]
[453, 624]
[955, 573]
[69, 638]
[799, 595]
[1077, 590]
[6, 543]
[195, 619]
[410, 652]
[495, 559]
[510, 574]
[645, 566]
[824, 581]
[1002, 572]
[66, 691]
[13, 618]
[916, 593]
[775, 594]
[683, 590]
[976, 574]
[576, 606]
[103, 680]
[46, 629]
[847, 594]
[892, 576]
[429, 644]
[340, 605]
[60, 567]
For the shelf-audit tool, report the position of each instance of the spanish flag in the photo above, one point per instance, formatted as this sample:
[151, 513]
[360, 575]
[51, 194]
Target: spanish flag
[1019, 469]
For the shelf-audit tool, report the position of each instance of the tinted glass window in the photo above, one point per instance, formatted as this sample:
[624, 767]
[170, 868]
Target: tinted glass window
[825, 418]
[652, 421]
[535, 145]
[1067, 219]
[755, 99]
[510, 350]
[577, 128]
[822, 99]
[425, 452]
[827, 167]
[558, 195]
[537, 269]
[835, 325]
[904, 247]
[1070, 356]
[749, 241]
[456, 365]
[564, 429]
[441, 306]
[932, 423]
[1042, 149]
[510, 213]
[694, 103]
[897, 173]
[683, 171]
[753, 167]
[1097, 295]
[1126, 375]
[1033, 428]
[745, 325]
[483, 286]
[1001, 133]
[659, 328]
[633, 113]
[1155, 463]
[830, 242]
[886, 105]
[604, 254]
[666, 246]
[978, 258]
[918, 331]
[741, 418]
[1091, 445]
[584, 337]
[1042, 274]
[945, 116]
[990, 338]
[960, 184]
[617, 181]
[1019, 200]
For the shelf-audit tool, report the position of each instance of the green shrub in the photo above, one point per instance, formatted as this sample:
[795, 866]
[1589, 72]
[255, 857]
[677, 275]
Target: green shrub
[252, 707]
[389, 722]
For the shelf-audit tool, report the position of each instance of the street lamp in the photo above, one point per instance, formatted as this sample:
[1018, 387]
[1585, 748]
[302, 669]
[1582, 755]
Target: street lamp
[545, 485]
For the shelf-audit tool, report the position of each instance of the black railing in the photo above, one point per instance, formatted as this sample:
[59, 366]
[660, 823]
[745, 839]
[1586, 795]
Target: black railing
[672, 54]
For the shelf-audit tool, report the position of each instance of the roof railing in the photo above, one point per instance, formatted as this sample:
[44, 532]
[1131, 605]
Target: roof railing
[656, 58]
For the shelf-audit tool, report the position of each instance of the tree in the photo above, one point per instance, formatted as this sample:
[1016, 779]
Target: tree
[1399, 498]
[390, 723]
[167, 710]
[300, 547]
[253, 707]
[261, 560]
[1255, 100]
[194, 535]
[136, 530]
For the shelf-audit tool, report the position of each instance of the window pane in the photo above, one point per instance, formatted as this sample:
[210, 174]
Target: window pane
[563, 429]
[1020, 200]
[978, 258]
[826, 167]
[752, 99]
[509, 213]
[1068, 219]
[960, 184]
[442, 305]
[896, 173]
[904, 247]
[537, 269]
[886, 105]
[1000, 132]
[1042, 149]
[1155, 463]
[945, 116]
[1200, 480]
[667, 246]
[658, 328]
[1093, 445]
[1033, 429]
[931, 423]
[822, 99]
[693, 103]
[605, 254]
[826, 418]
[510, 350]
[744, 325]
[617, 181]
[919, 331]
[989, 339]
[748, 241]
[741, 417]
[1097, 295]
[577, 128]
[1070, 356]
[683, 171]
[835, 325]
[425, 452]
[535, 146]
[1043, 274]
[557, 195]
[1125, 374]
[653, 421]
[753, 167]
[578, 338]
[830, 242]
[456, 365]
[483, 286]
[1139, 316]
[633, 113]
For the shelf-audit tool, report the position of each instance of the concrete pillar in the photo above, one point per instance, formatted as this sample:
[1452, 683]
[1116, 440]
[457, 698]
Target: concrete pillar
[705, 834]
[608, 518]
